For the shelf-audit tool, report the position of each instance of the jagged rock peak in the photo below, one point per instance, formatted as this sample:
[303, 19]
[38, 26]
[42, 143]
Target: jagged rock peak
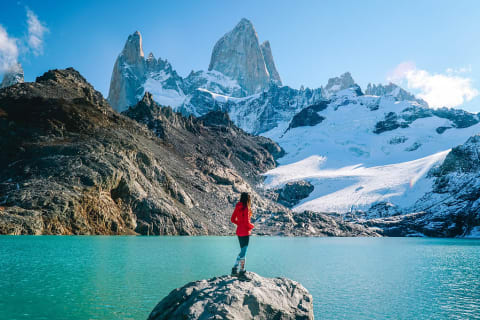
[393, 90]
[238, 55]
[12, 76]
[336, 84]
[61, 76]
[217, 118]
[270, 64]
[128, 74]
[133, 48]
[147, 99]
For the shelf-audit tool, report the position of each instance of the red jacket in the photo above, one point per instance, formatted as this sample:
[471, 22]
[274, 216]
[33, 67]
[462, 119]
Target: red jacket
[241, 218]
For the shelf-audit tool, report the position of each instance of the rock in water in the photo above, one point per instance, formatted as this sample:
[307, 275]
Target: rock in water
[230, 298]
[238, 55]
[12, 76]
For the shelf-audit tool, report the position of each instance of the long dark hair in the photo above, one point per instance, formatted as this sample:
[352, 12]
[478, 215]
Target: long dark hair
[246, 201]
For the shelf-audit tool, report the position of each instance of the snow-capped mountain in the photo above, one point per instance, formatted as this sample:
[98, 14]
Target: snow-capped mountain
[368, 153]
[393, 90]
[242, 79]
[360, 150]
[133, 75]
[12, 76]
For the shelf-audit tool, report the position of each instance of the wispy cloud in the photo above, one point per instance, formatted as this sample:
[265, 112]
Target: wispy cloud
[36, 32]
[439, 90]
[8, 50]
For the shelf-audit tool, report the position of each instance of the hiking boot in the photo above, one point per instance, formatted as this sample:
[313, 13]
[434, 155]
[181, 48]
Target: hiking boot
[242, 276]
[234, 271]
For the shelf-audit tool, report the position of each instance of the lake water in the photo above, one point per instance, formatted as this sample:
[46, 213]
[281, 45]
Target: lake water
[53, 277]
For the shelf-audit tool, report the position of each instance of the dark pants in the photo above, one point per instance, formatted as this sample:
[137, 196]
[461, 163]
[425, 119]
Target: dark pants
[243, 250]
[243, 241]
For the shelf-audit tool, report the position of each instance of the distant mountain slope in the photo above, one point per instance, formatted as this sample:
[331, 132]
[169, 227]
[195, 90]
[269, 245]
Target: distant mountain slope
[358, 150]
[12, 76]
[452, 207]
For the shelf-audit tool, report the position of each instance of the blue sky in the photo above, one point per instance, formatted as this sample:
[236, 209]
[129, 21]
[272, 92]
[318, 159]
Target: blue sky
[430, 47]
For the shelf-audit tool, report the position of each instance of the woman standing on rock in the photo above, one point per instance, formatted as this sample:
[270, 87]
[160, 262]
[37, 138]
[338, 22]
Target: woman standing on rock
[241, 217]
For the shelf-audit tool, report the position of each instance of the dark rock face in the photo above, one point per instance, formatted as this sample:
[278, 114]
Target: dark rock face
[441, 130]
[293, 192]
[71, 165]
[390, 123]
[229, 298]
[309, 116]
[459, 118]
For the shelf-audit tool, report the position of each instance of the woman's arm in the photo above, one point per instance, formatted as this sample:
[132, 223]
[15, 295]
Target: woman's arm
[246, 220]
[234, 217]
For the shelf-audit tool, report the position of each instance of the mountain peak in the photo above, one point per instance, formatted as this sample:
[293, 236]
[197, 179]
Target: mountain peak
[393, 90]
[245, 22]
[344, 81]
[133, 49]
[238, 55]
[270, 64]
[12, 76]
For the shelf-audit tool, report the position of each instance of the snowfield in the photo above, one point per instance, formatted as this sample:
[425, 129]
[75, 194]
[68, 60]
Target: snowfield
[357, 187]
[350, 166]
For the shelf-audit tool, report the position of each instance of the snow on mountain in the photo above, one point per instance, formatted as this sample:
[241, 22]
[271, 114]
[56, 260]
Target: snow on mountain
[12, 76]
[393, 90]
[363, 149]
[371, 155]
[451, 208]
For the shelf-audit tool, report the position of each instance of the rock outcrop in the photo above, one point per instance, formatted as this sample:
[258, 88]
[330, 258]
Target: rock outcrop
[228, 297]
[270, 64]
[293, 192]
[238, 55]
[344, 81]
[309, 116]
[12, 76]
[393, 90]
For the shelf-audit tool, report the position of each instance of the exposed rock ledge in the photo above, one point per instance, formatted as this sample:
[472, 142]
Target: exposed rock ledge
[228, 297]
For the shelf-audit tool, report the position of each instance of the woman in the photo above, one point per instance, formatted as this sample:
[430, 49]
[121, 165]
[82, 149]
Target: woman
[241, 217]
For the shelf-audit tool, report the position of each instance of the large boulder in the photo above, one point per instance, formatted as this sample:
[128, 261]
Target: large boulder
[228, 297]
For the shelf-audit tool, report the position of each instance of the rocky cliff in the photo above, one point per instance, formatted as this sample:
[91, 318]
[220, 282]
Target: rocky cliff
[230, 298]
[238, 55]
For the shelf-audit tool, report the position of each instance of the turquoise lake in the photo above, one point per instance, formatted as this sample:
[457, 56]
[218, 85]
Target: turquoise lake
[96, 277]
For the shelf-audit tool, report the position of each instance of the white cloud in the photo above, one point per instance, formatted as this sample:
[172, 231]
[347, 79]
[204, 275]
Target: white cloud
[439, 90]
[36, 31]
[8, 50]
